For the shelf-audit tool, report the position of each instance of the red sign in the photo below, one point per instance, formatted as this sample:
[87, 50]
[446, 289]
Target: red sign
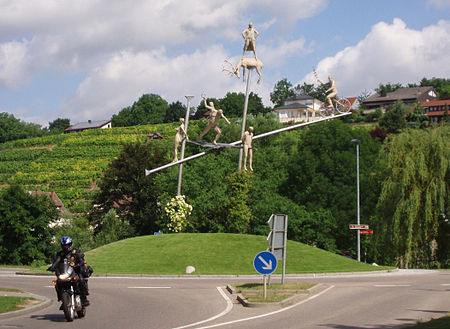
[365, 232]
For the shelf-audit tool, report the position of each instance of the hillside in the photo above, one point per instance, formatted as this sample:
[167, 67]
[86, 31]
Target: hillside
[70, 164]
[210, 253]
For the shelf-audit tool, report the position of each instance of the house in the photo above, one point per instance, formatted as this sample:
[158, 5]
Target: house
[408, 96]
[435, 109]
[298, 108]
[52, 196]
[88, 125]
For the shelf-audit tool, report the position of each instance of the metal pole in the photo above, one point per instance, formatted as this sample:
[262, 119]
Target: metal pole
[183, 145]
[244, 115]
[357, 205]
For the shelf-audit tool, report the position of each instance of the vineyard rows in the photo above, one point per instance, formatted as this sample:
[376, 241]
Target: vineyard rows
[69, 164]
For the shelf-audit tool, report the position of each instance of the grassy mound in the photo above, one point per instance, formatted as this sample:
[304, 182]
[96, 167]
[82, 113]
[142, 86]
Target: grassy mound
[210, 253]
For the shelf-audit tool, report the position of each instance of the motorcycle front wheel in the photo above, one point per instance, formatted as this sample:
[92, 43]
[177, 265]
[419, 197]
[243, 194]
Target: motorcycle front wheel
[68, 308]
[82, 313]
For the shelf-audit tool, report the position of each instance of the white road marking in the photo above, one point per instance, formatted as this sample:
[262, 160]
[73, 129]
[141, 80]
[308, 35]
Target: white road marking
[392, 285]
[267, 314]
[149, 287]
[227, 309]
[445, 284]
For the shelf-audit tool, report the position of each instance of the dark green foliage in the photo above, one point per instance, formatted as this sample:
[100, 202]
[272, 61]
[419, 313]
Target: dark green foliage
[113, 229]
[174, 112]
[442, 86]
[57, 126]
[383, 89]
[394, 119]
[24, 232]
[125, 187]
[78, 230]
[322, 175]
[239, 214]
[149, 109]
[13, 129]
[281, 91]
[317, 92]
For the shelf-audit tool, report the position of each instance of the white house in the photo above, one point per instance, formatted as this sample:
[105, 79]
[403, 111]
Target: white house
[299, 108]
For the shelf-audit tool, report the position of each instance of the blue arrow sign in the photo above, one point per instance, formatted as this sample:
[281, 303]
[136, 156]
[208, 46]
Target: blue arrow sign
[265, 262]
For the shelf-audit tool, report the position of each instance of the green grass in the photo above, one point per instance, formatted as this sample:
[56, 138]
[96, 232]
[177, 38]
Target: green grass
[210, 253]
[273, 286]
[10, 303]
[11, 290]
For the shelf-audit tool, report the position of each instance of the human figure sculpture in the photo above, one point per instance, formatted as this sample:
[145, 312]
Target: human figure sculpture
[213, 121]
[178, 138]
[248, 150]
[250, 35]
[331, 91]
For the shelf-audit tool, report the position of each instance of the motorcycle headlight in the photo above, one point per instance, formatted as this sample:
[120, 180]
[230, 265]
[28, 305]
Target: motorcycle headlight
[63, 276]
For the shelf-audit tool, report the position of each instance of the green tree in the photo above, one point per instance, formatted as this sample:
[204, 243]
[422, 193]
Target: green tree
[149, 109]
[233, 104]
[394, 119]
[240, 214]
[383, 89]
[25, 235]
[78, 229]
[125, 187]
[174, 112]
[57, 126]
[442, 86]
[281, 91]
[322, 175]
[12, 128]
[113, 229]
[413, 196]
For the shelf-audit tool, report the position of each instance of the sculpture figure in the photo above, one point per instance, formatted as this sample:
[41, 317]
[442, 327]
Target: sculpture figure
[178, 138]
[248, 150]
[250, 35]
[331, 91]
[213, 121]
[245, 63]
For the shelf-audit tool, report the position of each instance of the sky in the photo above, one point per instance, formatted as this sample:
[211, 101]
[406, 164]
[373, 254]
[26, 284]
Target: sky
[88, 59]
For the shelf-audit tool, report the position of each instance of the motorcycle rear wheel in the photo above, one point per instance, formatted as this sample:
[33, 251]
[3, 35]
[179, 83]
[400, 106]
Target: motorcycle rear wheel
[82, 313]
[68, 308]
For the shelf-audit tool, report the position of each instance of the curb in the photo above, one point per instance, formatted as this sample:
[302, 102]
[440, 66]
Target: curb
[45, 302]
[299, 296]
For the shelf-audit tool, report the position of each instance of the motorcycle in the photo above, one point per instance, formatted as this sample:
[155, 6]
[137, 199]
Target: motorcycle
[67, 285]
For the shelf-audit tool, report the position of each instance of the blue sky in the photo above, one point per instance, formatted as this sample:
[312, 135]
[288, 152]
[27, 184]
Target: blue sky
[88, 59]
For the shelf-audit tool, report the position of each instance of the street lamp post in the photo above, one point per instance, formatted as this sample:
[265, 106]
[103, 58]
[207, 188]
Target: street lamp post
[183, 145]
[357, 142]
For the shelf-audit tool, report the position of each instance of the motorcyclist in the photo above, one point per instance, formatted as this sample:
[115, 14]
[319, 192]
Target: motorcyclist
[80, 266]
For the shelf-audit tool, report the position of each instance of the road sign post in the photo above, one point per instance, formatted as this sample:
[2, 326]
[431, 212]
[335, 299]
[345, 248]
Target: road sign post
[265, 263]
[277, 239]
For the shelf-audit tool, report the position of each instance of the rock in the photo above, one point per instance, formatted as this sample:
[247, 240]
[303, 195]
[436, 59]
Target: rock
[374, 264]
[190, 269]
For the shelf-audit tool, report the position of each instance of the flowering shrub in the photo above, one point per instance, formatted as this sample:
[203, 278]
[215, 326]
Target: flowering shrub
[177, 210]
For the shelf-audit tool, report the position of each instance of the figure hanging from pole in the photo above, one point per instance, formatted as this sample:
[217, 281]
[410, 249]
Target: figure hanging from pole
[213, 121]
[248, 150]
[179, 138]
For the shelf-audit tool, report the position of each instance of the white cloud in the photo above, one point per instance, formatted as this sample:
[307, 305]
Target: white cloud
[389, 53]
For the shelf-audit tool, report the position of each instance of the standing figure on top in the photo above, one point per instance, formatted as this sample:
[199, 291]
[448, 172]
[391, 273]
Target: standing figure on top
[179, 138]
[250, 35]
[214, 117]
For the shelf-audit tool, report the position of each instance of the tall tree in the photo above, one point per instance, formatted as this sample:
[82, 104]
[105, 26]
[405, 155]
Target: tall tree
[25, 235]
[125, 187]
[395, 118]
[387, 88]
[322, 174]
[57, 126]
[414, 194]
[175, 111]
[281, 91]
[442, 86]
[149, 109]
[12, 128]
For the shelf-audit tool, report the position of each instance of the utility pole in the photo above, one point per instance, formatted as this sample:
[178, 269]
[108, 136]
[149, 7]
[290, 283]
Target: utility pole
[183, 145]
[357, 142]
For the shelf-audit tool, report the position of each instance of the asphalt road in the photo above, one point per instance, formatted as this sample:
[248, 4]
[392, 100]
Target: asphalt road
[390, 300]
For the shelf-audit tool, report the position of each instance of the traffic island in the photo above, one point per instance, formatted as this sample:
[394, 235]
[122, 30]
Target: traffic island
[251, 294]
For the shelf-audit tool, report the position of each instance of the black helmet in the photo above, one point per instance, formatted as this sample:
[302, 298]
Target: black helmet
[66, 244]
